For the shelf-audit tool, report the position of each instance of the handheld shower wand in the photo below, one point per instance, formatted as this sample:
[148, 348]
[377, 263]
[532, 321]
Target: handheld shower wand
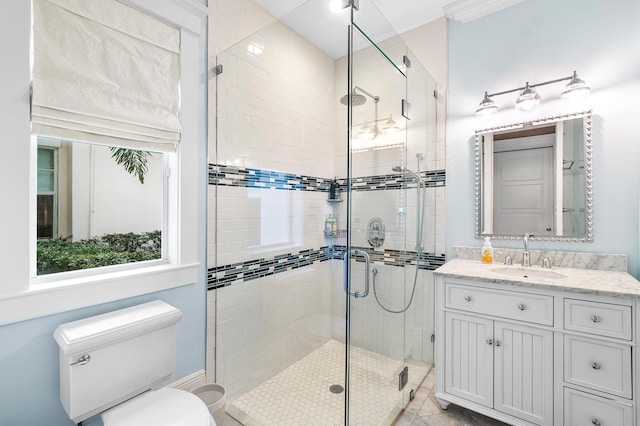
[419, 190]
[421, 186]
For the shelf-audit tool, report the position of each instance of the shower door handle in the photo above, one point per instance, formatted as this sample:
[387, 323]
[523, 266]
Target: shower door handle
[367, 267]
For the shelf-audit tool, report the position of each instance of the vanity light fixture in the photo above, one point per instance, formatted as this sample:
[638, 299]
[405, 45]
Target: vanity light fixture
[368, 131]
[575, 91]
[487, 107]
[528, 99]
[390, 126]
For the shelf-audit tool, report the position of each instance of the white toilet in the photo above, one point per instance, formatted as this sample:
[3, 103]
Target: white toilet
[118, 363]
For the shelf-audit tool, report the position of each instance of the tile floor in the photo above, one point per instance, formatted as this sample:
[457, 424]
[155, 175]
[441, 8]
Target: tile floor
[425, 410]
[286, 400]
[300, 395]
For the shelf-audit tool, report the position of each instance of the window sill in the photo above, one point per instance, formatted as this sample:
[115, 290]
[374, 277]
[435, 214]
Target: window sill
[78, 292]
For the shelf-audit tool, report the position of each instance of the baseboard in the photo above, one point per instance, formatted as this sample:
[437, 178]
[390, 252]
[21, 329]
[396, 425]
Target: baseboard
[190, 382]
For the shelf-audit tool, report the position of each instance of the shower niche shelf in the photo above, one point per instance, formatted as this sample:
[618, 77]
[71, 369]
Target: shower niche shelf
[340, 233]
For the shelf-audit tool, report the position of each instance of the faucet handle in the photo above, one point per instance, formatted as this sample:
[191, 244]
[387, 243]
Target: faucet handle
[507, 260]
[546, 264]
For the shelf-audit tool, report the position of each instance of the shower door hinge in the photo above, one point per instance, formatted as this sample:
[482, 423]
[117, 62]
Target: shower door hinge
[404, 378]
[406, 109]
[218, 69]
[406, 61]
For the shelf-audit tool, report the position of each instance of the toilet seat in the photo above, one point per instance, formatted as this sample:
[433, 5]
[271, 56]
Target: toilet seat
[164, 407]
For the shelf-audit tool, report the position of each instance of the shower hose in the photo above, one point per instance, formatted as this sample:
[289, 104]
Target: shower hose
[418, 258]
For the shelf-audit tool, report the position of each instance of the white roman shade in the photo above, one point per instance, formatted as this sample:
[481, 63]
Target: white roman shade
[104, 72]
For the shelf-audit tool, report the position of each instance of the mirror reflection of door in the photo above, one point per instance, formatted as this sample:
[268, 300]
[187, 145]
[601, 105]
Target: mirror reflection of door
[523, 189]
[547, 200]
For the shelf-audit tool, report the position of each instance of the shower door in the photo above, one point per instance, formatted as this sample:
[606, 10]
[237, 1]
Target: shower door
[377, 218]
[315, 304]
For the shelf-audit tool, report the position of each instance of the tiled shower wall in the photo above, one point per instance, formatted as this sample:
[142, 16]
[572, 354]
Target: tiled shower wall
[284, 122]
[274, 153]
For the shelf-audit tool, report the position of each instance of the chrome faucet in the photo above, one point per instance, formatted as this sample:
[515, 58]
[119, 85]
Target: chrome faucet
[526, 260]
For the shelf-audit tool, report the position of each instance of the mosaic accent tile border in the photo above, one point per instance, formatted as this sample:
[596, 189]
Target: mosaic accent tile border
[428, 261]
[256, 178]
[223, 276]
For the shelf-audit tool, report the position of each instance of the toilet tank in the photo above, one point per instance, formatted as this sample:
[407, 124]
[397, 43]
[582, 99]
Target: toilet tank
[107, 359]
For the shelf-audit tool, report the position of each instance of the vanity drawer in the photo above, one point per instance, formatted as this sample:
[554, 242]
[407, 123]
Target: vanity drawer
[585, 409]
[506, 304]
[598, 365]
[605, 319]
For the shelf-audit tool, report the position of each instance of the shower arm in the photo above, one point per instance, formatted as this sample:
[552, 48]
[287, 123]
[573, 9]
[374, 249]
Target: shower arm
[376, 99]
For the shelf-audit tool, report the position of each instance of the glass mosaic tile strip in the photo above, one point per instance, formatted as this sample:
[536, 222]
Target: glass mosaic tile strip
[226, 275]
[256, 178]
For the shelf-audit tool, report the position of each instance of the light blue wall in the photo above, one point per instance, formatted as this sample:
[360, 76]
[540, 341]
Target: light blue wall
[29, 379]
[540, 40]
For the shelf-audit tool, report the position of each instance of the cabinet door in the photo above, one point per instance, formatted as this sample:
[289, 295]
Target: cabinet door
[469, 358]
[524, 372]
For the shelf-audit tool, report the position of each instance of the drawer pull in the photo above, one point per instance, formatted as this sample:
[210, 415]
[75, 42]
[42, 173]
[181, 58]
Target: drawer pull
[467, 298]
[595, 319]
[596, 366]
[596, 422]
[522, 307]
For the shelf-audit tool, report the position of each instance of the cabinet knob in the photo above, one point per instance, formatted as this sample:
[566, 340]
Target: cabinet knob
[489, 342]
[467, 298]
[596, 366]
[595, 319]
[522, 307]
[497, 342]
[596, 422]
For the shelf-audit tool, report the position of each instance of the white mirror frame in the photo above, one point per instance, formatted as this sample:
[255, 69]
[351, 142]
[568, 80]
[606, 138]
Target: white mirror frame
[588, 162]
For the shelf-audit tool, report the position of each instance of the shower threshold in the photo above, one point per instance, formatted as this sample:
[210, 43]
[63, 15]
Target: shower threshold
[301, 395]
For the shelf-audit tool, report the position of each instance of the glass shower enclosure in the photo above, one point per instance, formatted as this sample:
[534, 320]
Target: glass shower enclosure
[323, 179]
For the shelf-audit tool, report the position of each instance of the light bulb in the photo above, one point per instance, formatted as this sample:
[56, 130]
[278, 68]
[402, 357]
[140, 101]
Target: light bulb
[575, 91]
[528, 99]
[390, 126]
[487, 107]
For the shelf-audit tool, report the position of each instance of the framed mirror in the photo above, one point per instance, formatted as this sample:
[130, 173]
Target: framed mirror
[535, 177]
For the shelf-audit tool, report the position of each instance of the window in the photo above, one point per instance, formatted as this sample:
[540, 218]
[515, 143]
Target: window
[97, 206]
[25, 295]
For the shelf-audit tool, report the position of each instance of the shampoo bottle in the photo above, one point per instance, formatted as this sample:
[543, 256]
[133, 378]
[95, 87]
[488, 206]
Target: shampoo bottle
[328, 226]
[487, 251]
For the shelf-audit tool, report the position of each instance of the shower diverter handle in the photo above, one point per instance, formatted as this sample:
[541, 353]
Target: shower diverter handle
[367, 265]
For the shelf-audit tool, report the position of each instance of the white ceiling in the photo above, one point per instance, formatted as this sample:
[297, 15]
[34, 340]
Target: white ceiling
[380, 19]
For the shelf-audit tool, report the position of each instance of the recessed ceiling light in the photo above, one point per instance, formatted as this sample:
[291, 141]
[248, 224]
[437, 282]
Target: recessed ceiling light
[336, 6]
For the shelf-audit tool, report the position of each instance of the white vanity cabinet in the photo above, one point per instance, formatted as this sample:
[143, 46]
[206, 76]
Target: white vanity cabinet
[495, 355]
[535, 353]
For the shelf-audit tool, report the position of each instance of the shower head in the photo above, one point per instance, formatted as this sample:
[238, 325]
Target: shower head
[356, 99]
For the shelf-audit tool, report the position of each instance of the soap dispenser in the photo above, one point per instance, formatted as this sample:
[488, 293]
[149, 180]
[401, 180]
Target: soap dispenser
[487, 251]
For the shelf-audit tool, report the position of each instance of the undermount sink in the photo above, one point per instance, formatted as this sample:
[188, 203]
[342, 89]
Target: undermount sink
[524, 273]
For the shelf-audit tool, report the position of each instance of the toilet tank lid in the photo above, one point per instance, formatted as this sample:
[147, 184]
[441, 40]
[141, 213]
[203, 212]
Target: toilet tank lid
[101, 330]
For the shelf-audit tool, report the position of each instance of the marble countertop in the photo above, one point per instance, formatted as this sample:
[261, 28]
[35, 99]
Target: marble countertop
[609, 283]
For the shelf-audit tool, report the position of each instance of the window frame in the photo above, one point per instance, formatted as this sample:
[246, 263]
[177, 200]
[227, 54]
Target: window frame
[22, 296]
[53, 193]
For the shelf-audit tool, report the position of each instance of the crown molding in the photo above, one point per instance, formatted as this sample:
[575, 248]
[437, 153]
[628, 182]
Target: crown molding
[468, 10]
